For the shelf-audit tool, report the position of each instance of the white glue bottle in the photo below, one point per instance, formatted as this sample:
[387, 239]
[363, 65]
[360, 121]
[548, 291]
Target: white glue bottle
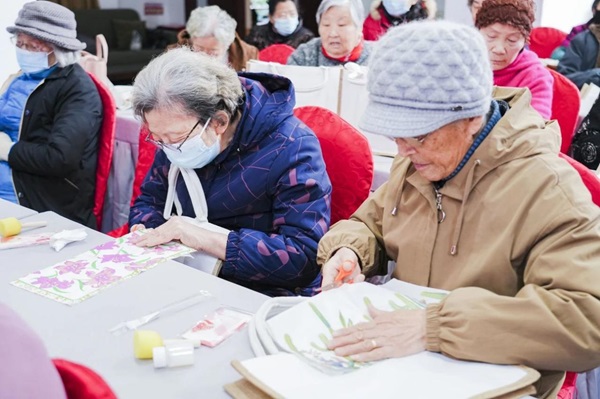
[175, 353]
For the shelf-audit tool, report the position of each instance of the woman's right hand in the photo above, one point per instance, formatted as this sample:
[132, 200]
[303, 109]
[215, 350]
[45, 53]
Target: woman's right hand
[344, 261]
[137, 227]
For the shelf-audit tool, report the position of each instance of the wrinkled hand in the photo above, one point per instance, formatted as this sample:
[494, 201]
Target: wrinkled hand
[5, 145]
[343, 258]
[390, 334]
[177, 229]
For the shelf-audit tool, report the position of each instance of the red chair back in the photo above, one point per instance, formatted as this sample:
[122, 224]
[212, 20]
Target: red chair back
[276, 53]
[81, 382]
[106, 145]
[347, 156]
[146, 152]
[565, 108]
[543, 41]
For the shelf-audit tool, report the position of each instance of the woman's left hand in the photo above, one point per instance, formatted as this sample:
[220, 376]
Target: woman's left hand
[390, 334]
[177, 229]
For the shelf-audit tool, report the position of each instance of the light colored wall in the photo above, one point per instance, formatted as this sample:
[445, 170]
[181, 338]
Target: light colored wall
[557, 14]
[174, 10]
[10, 10]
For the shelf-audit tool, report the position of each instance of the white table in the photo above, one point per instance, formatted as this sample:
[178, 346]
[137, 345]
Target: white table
[80, 333]
[10, 209]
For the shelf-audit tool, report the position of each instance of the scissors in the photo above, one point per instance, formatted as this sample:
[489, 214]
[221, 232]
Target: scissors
[342, 274]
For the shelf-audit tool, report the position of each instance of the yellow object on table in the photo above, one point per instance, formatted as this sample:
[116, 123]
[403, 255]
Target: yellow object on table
[144, 341]
[13, 226]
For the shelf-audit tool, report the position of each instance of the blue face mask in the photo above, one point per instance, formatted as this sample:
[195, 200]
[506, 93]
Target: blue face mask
[286, 26]
[194, 153]
[32, 61]
[396, 7]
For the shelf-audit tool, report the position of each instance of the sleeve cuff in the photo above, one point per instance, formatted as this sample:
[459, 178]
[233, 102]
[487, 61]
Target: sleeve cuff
[432, 343]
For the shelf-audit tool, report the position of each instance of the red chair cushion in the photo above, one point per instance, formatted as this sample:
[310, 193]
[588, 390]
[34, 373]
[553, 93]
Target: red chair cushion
[146, 152]
[591, 181]
[347, 156]
[276, 53]
[565, 108]
[543, 41]
[105, 147]
[81, 382]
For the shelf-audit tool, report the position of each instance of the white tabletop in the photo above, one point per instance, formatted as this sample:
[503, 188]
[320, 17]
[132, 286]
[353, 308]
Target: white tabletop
[9, 209]
[80, 333]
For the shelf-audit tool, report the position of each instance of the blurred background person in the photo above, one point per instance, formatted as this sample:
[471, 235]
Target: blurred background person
[284, 27]
[212, 31]
[505, 26]
[50, 118]
[341, 39]
[559, 52]
[387, 13]
[474, 6]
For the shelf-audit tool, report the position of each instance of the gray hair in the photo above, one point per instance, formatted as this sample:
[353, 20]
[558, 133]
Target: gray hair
[65, 57]
[188, 81]
[212, 21]
[356, 10]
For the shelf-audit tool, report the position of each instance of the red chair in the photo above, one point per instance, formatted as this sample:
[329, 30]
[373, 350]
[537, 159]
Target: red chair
[565, 108]
[81, 382]
[276, 53]
[543, 41]
[106, 145]
[146, 152]
[347, 156]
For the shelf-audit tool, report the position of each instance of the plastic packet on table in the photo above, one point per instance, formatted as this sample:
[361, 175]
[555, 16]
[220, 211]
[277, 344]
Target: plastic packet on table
[25, 240]
[217, 326]
[62, 238]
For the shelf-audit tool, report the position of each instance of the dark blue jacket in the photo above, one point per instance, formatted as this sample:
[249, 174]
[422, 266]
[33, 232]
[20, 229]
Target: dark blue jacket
[579, 62]
[269, 186]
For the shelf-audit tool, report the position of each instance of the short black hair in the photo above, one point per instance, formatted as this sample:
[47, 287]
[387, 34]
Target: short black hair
[273, 5]
[595, 5]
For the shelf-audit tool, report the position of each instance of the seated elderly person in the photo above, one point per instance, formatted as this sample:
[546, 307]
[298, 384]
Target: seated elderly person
[474, 6]
[50, 116]
[388, 13]
[212, 31]
[478, 203]
[284, 27]
[505, 26]
[580, 61]
[340, 30]
[239, 145]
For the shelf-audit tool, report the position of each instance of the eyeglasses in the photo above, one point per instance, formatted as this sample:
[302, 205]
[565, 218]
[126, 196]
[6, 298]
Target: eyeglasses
[415, 142]
[175, 147]
[36, 48]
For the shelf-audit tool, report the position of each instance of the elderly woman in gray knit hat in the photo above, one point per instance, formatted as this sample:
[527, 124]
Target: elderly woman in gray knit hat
[50, 116]
[341, 39]
[478, 203]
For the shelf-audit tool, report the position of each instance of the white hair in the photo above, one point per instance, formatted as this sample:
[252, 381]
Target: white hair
[356, 10]
[65, 57]
[212, 21]
[192, 82]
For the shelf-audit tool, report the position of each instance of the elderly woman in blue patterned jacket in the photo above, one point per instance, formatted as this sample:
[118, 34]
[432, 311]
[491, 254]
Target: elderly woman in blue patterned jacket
[260, 169]
[341, 38]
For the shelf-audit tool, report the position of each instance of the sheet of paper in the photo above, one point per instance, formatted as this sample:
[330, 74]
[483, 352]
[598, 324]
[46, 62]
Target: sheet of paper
[85, 275]
[329, 311]
[425, 375]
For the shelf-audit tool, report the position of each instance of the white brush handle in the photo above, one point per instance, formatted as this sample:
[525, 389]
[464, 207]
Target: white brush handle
[33, 225]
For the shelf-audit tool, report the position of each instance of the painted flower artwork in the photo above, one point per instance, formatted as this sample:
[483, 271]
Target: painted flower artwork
[83, 276]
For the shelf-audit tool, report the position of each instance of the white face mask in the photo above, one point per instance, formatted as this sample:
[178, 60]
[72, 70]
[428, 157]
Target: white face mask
[32, 61]
[286, 26]
[396, 7]
[194, 153]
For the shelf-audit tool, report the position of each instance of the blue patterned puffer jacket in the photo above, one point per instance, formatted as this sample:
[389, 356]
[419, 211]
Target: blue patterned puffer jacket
[269, 186]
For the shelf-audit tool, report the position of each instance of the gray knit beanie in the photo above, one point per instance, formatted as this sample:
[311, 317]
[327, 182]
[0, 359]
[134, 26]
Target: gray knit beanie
[49, 22]
[424, 75]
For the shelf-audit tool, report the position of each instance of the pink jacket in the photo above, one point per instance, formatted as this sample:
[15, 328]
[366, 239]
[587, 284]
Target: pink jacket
[527, 71]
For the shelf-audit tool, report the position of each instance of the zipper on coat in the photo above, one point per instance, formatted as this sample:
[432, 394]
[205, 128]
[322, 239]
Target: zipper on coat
[441, 215]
